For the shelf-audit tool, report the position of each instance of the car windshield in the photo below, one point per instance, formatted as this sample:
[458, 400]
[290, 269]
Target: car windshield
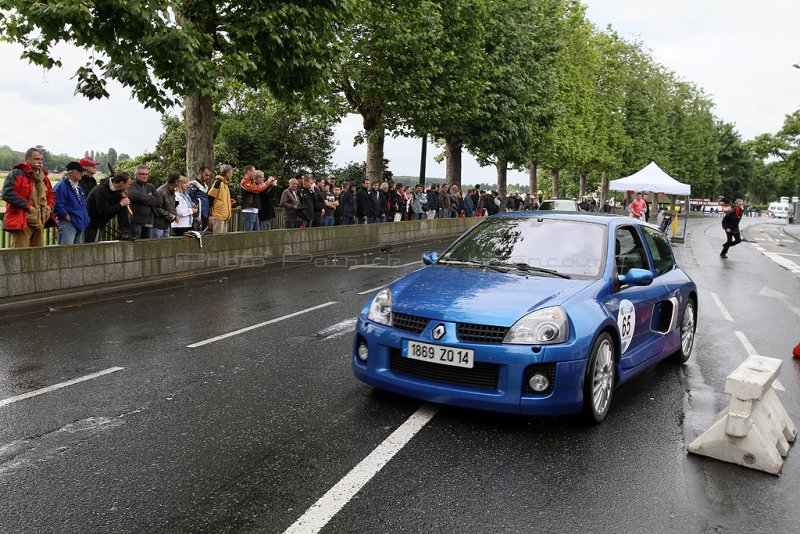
[535, 246]
[558, 205]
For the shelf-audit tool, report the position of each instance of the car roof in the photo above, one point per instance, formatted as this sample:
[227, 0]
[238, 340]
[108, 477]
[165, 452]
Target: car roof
[607, 219]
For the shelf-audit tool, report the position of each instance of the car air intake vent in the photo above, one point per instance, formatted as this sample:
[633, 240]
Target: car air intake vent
[409, 323]
[481, 333]
[482, 375]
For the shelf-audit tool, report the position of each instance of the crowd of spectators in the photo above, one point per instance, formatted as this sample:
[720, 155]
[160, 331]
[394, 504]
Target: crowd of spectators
[79, 207]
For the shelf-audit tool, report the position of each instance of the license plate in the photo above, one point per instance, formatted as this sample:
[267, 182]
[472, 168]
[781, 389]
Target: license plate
[439, 354]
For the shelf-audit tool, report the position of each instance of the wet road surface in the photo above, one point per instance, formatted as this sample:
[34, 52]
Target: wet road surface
[246, 433]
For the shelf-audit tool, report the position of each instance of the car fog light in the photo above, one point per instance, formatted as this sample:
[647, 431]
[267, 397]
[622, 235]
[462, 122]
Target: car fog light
[363, 352]
[539, 383]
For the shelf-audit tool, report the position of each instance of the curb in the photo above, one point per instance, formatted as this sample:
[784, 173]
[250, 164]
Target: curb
[791, 234]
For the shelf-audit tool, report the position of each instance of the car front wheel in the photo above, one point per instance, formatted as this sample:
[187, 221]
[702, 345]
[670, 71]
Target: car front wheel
[599, 383]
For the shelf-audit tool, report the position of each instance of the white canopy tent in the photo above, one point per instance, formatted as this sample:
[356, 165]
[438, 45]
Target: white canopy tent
[653, 179]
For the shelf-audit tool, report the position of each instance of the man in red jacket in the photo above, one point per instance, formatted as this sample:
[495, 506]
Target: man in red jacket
[29, 201]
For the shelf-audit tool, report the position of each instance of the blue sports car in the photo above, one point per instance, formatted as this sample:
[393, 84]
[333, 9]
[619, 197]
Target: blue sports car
[531, 312]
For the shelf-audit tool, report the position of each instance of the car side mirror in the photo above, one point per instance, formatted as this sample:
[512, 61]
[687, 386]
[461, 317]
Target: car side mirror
[636, 277]
[430, 257]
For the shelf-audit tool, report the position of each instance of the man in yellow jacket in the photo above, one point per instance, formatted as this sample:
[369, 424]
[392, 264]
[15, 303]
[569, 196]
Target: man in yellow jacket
[219, 198]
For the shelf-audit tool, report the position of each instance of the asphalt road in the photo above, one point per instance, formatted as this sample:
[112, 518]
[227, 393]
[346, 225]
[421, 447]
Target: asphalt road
[248, 432]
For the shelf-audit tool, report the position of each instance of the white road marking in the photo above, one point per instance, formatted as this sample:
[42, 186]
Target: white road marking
[723, 310]
[259, 325]
[771, 293]
[48, 389]
[343, 332]
[322, 511]
[372, 290]
[751, 350]
[778, 258]
[373, 266]
[338, 329]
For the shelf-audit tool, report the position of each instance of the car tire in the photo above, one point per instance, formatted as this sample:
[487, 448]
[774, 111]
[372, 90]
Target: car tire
[687, 330]
[598, 386]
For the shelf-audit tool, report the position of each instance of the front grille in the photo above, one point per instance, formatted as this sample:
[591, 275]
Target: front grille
[548, 370]
[482, 375]
[481, 333]
[409, 323]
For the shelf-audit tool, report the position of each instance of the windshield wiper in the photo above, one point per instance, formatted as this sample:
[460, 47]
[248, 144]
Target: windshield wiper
[525, 267]
[491, 264]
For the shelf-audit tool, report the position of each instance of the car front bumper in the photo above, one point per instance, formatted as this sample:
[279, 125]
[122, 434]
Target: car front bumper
[496, 383]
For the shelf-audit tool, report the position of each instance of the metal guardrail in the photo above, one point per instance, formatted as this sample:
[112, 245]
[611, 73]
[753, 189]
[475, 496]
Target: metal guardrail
[235, 224]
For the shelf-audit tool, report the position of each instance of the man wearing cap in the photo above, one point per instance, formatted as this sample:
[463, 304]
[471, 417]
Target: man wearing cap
[88, 181]
[70, 207]
[29, 201]
[106, 201]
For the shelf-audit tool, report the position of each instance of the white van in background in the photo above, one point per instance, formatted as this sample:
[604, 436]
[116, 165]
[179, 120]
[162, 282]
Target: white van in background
[779, 210]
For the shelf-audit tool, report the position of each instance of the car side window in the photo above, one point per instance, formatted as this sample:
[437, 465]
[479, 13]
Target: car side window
[629, 252]
[660, 249]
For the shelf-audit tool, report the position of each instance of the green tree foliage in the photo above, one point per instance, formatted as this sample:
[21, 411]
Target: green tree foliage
[451, 103]
[168, 50]
[736, 164]
[9, 158]
[355, 172]
[522, 38]
[392, 59]
[282, 139]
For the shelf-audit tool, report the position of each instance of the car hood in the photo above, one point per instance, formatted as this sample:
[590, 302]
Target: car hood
[469, 295]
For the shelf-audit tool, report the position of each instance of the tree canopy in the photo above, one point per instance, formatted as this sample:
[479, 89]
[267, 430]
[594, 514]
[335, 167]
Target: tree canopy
[517, 83]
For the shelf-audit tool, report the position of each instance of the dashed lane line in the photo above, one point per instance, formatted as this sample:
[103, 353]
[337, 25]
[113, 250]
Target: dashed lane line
[372, 290]
[723, 310]
[54, 387]
[751, 350]
[259, 325]
[322, 511]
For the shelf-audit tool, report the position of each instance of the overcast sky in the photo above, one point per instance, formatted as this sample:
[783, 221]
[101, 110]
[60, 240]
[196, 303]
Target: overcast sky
[740, 52]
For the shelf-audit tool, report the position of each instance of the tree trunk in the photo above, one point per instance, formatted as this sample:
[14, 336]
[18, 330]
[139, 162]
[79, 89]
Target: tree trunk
[603, 188]
[502, 173]
[375, 140]
[453, 153]
[533, 171]
[582, 185]
[199, 116]
[554, 174]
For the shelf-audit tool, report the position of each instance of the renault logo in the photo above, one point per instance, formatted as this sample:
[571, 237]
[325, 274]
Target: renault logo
[438, 332]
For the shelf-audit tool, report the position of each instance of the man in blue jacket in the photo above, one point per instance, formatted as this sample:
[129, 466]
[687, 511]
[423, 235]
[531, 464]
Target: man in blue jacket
[70, 206]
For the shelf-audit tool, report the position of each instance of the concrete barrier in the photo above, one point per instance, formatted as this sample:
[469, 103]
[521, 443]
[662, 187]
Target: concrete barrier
[754, 430]
[39, 271]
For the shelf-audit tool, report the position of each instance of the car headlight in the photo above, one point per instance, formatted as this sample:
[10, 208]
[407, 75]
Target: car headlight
[541, 327]
[380, 310]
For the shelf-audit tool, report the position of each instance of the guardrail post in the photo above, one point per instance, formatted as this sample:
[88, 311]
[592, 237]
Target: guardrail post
[754, 430]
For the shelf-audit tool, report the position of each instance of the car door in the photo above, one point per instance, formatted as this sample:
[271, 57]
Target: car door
[634, 306]
[669, 280]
